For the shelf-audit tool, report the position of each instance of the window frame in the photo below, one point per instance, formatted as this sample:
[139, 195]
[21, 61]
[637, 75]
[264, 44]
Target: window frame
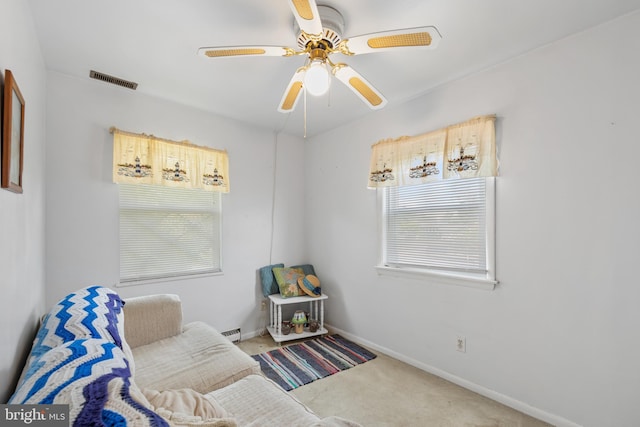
[480, 281]
[182, 275]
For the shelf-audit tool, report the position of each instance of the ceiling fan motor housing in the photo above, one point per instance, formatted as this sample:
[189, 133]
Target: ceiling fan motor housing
[319, 30]
[332, 28]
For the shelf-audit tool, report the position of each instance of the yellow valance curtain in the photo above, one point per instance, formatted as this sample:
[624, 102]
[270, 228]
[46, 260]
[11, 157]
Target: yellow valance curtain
[464, 150]
[145, 159]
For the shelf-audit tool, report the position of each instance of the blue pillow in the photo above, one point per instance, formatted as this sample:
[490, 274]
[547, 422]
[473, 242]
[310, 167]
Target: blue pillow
[306, 268]
[269, 285]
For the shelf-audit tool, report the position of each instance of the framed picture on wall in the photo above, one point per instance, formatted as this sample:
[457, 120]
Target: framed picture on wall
[12, 135]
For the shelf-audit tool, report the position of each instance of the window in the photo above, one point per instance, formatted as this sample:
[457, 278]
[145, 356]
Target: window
[444, 228]
[168, 232]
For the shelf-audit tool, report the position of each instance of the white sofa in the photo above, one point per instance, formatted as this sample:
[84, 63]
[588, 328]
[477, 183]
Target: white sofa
[134, 363]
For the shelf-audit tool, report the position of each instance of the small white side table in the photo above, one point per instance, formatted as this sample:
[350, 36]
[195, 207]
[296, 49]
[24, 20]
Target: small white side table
[316, 311]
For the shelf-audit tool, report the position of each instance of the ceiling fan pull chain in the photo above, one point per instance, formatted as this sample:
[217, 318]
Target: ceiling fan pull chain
[305, 111]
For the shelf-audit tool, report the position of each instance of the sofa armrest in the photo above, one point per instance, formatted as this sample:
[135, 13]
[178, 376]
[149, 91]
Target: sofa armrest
[151, 318]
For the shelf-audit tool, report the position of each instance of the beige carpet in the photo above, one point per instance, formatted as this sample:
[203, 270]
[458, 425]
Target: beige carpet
[387, 392]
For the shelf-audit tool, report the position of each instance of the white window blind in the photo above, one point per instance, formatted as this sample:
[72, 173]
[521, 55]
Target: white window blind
[168, 232]
[438, 226]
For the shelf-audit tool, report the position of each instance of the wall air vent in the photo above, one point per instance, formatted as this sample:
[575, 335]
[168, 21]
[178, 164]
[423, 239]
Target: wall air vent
[233, 335]
[113, 80]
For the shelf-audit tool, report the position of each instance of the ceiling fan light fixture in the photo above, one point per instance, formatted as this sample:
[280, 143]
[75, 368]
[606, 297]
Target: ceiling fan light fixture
[317, 78]
[319, 29]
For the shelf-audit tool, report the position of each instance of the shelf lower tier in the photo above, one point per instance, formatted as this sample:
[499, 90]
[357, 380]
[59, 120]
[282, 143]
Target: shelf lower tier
[294, 336]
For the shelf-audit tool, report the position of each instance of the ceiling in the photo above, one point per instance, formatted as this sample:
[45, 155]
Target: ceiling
[155, 43]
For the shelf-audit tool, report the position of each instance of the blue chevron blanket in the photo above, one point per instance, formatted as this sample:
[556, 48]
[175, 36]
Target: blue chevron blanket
[79, 357]
[94, 375]
[91, 312]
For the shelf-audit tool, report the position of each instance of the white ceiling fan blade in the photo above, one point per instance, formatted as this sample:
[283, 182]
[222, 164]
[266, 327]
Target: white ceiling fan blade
[378, 42]
[229, 51]
[292, 93]
[307, 16]
[360, 86]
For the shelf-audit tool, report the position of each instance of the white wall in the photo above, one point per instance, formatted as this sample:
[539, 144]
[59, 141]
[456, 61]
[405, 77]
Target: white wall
[558, 337]
[22, 215]
[82, 202]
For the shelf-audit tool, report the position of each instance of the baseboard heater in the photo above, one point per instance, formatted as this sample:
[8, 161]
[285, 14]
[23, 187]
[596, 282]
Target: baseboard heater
[233, 335]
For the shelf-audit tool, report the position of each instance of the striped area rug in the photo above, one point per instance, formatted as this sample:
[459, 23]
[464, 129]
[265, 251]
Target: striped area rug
[299, 364]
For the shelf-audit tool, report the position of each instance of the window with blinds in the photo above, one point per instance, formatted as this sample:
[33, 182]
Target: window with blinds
[168, 232]
[444, 226]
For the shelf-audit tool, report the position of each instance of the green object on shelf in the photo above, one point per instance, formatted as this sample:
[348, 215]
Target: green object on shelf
[299, 318]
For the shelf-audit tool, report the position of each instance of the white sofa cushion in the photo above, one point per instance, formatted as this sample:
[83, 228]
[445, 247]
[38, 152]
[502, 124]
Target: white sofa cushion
[199, 358]
[257, 401]
[151, 318]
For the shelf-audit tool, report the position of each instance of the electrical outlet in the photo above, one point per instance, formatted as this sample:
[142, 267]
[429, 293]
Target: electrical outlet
[461, 344]
[264, 306]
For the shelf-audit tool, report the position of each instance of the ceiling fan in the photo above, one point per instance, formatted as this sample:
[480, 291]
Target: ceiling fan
[320, 31]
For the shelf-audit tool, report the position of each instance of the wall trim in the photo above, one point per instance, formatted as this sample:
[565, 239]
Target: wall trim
[491, 394]
[253, 334]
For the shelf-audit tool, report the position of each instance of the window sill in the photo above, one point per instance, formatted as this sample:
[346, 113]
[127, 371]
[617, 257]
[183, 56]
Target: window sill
[469, 281]
[167, 279]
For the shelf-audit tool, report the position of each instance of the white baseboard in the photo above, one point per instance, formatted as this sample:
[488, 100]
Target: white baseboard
[257, 333]
[491, 394]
